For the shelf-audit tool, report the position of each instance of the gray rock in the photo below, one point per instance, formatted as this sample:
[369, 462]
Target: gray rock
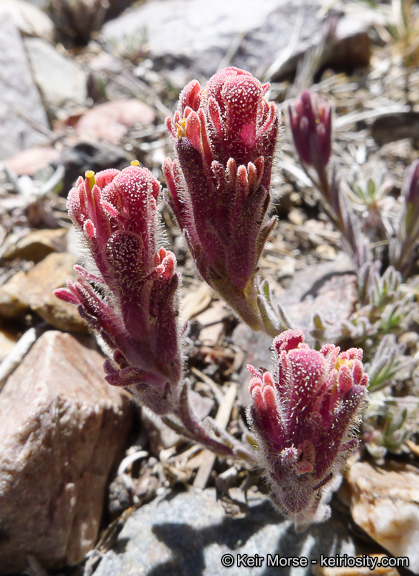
[328, 289]
[257, 348]
[348, 48]
[20, 98]
[68, 89]
[31, 20]
[61, 430]
[188, 534]
[197, 34]
[42, 4]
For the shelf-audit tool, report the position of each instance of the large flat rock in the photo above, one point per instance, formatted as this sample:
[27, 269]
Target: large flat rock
[188, 534]
[61, 81]
[197, 34]
[29, 18]
[20, 99]
[61, 429]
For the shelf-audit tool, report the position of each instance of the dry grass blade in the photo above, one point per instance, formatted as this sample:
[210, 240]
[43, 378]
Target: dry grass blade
[16, 355]
[215, 389]
[196, 301]
[222, 418]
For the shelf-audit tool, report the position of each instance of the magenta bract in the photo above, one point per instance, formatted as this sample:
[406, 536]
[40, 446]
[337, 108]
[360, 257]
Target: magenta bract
[304, 420]
[410, 189]
[133, 300]
[403, 250]
[410, 192]
[218, 185]
[311, 127]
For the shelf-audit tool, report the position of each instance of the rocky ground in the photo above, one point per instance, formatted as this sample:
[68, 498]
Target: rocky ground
[88, 483]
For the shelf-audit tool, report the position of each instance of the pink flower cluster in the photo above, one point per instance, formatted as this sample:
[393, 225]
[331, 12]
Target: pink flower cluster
[219, 191]
[131, 300]
[311, 127]
[219, 183]
[304, 420]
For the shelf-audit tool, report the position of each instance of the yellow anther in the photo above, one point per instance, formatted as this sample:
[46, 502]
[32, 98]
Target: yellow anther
[135, 163]
[341, 361]
[181, 128]
[90, 177]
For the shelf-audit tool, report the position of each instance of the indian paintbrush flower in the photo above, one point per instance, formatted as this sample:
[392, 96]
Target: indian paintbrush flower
[311, 127]
[219, 191]
[131, 300]
[408, 236]
[304, 420]
[219, 184]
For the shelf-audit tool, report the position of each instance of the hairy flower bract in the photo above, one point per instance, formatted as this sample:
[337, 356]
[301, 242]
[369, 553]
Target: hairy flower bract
[304, 420]
[131, 299]
[219, 183]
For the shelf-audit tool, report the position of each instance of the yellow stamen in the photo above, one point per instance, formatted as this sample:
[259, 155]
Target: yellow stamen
[181, 128]
[341, 361]
[90, 176]
[135, 163]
